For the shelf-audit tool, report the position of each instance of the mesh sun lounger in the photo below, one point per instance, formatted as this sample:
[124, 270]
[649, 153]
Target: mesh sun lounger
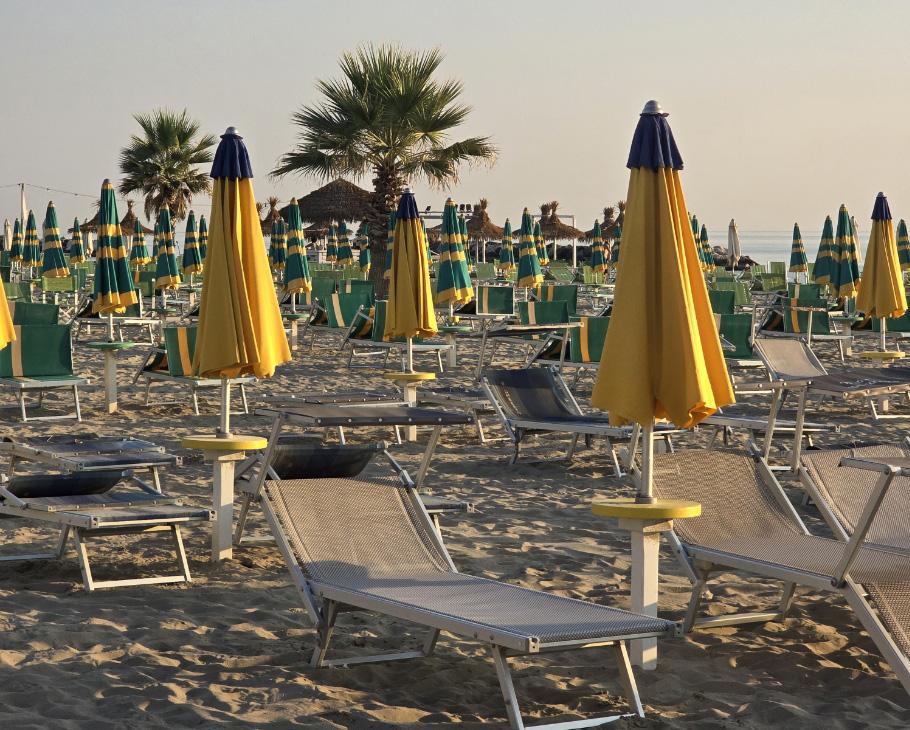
[353, 544]
[840, 493]
[39, 360]
[89, 452]
[538, 401]
[89, 506]
[748, 524]
[174, 364]
[473, 401]
[302, 457]
[340, 416]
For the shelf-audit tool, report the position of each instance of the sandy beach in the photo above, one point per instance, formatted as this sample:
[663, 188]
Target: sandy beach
[231, 648]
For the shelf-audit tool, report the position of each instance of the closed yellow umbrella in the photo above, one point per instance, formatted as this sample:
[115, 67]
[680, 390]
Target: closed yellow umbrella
[662, 352]
[881, 289]
[240, 328]
[410, 310]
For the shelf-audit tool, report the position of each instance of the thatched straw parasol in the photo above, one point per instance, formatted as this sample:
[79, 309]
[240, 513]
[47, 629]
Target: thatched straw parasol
[553, 228]
[128, 223]
[480, 227]
[273, 215]
[339, 200]
[607, 227]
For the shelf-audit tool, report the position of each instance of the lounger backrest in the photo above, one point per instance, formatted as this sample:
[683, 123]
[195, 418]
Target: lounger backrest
[485, 271]
[797, 321]
[495, 300]
[736, 504]
[60, 283]
[180, 345]
[39, 350]
[532, 393]
[805, 292]
[355, 286]
[34, 313]
[341, 308]
[586, 342]
[323, 288]
[787, 358]
[320, 461]
[567, 293]
[737, 330]
[722, 302]
[543, 312]
[20, 291]
[846, 491]
[50, 486]
[344, 531]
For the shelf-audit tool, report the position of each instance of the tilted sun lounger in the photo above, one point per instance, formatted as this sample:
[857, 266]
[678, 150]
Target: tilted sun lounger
[353, 544]
[174, 364]
[748, 524]
[89, 506]
[841, 493]
[39, 360]
[302, 457]
[539, 401]
[89, 452]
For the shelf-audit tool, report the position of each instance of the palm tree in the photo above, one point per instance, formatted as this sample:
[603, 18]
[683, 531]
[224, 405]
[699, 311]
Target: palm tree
[389, 117]
[162, 162]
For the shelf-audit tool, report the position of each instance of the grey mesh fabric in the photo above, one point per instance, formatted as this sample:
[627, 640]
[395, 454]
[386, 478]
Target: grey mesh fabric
[846, 492]
[366, 537]
[531, 393]
[789, 358]
[742, 518]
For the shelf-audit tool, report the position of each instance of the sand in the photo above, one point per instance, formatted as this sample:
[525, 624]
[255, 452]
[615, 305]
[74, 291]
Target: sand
[231, 648]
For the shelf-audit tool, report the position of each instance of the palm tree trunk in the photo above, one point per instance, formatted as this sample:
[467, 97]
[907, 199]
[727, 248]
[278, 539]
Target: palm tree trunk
[387, 187]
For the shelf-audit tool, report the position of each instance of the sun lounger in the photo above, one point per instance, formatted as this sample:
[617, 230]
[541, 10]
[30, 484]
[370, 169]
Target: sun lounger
[473, 401]
[536, 401]
[490, 304]
[337, 313]
[39, 360]
[748, 524]
[133, 317]
[383, 555]
[174, 364]
[567, 293]
[303, 457]
[27, 313]
[89, 506]
[87, 452]
[808, 320]
[584, 347]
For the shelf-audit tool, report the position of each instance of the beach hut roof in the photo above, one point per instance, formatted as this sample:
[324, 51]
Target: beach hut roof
[607, 226]
[480, 227]
[338, 200]
[127, 223]
[553, 228]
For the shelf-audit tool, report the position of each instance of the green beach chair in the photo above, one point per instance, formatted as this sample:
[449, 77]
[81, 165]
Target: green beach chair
[492, 302]
[567, 293]
[19, 291]
[174, 364]
[371, 341]
[722, 302]
[485, 271]
[737, 330]
[34, 313]
[40, 359]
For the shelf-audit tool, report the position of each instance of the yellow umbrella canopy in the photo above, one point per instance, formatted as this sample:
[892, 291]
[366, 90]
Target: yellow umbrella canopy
[662, 352]
[881, 288]
[410, 310]
[240, 328]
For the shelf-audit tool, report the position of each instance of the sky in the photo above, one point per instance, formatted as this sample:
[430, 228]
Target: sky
[782, 110]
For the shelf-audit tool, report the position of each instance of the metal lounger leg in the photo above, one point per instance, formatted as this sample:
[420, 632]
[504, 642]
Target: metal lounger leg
[21, 395]
[324, 633]
[76, 401]
[508, 689]
[571, 452]
[427, 455]
[627, 678]
[246, 407]
[195, 400]
[82, 555]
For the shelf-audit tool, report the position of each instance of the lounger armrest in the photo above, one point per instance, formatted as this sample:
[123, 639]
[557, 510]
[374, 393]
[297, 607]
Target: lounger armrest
[887, 473]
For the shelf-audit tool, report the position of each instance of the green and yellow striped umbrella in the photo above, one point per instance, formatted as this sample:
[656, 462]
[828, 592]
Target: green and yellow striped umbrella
[331, 247]
[853, 251]
[426, 236]
[77, 250]
[363, 243]
[139, 253]
[278, 251]
[53, 262]
[15, 250]
[192, 259]
[113, 283]
[453, 282]
[389, 247]
[297, 270]
[614, 249]
[540, 245]
[506, 254]
[528, 264]
[842, 280]
[707, 253]
[881, 291]
[824, 263]
[598, 261]
[696, 234]
[345, 252]
[798, 261]
[203, 238]
[31, 248]
[464, 239]
[903, 245]
[167, 276]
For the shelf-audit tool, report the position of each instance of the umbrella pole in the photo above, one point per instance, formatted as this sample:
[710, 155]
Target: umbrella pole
[224, 424]
[410, 354]
[646, 481]
[882, 326]
[110, 326]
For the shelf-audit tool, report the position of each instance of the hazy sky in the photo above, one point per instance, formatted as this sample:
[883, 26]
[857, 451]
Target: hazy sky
[782, 110]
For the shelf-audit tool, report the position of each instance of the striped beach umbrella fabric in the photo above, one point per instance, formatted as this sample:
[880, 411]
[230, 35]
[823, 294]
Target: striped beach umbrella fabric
[53, 262]
[598, 260]
[363, 243]
[345, 255]
[278, 250]
[331, 247]
[167, 275]
[297, 269]
[529, 273]
[139, 253]
[77, 250]
[31, 248]
[203, 238]
[15, 250]
[542, 257]
[453, 282]
[192, 259]
[824, 263]
[506, 249]
[903, 245]
[114, 288]
[798, 261]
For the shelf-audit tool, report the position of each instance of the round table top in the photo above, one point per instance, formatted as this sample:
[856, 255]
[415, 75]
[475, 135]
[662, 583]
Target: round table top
[293, 315]
[662, 509]
[889, 355]
[234, 442]
[110, 345]
[409, 377]
[455, 329]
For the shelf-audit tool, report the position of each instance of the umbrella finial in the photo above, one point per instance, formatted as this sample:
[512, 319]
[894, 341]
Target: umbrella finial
[232, 160]
[231, 132]
[653, 108]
